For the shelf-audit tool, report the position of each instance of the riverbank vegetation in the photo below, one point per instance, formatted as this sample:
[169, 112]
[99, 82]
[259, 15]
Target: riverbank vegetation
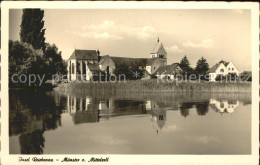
[156, 86]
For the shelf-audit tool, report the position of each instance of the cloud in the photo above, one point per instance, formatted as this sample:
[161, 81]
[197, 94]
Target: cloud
[96, 35]
[146, 32]
[110, 30]
[107, 24]
[207, 43]
[175, 48]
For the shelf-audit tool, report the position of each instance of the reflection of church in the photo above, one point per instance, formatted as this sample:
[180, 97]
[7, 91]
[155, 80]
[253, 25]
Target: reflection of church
[158, 114]
[89, 110]
[224, 106]
[83, 109]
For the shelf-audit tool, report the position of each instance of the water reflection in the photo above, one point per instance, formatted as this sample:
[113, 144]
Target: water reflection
[224, 106]
[32, 114]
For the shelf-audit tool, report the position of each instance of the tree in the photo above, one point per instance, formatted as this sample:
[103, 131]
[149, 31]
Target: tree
[122, 70]
[32, 31]
[185, 66]
[23, 59]
[202, 67]
[54, 61]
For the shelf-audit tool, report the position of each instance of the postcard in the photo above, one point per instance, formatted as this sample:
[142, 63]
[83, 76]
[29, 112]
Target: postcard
[129, 83]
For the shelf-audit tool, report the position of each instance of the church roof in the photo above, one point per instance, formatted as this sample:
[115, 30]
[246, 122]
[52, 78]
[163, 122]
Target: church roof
[84, 55]
[129, 61]
[167, 69]
[150, 61]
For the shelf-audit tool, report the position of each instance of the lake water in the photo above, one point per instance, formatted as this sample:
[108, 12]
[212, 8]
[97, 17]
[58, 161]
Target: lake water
[129, 123]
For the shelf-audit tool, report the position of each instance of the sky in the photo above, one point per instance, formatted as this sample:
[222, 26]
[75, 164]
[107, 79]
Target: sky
[217, 34]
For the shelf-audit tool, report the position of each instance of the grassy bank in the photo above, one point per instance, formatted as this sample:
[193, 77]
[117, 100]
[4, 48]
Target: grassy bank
[154, 86]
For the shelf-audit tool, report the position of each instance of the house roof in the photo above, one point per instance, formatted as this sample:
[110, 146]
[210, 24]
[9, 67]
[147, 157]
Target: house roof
[129, 61]
[166, 69]
[84, 55]
[224, 62]
[214, 68]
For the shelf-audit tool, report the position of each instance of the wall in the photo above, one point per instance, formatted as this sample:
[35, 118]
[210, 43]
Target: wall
[157, 64]
[107, 62]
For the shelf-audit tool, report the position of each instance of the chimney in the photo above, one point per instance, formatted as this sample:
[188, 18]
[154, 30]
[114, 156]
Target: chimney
[98, 54]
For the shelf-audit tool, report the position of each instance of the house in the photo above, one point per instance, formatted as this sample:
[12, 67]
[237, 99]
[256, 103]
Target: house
[222, 68]
[78, 61]
[168, 71]
[217, 69]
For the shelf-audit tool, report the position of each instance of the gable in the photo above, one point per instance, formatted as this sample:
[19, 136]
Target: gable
[230, 66]
[221, 68]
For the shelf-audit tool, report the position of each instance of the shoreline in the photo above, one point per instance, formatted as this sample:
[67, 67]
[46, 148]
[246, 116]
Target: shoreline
[151, 86]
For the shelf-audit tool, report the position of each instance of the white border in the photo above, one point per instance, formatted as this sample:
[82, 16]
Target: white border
[7, 159]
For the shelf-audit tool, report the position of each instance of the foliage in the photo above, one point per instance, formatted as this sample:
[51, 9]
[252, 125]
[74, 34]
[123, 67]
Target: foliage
[133, 73]
[185, 66]
[54, 61]
[227, 78]
[202, 67]
[23, 59]
[32, 31]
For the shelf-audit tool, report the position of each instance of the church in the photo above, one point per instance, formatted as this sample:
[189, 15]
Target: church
[83, 64]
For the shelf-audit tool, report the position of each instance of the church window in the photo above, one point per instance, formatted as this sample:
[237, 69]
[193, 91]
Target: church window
[73, 71]
[221, 70]
[232, 68]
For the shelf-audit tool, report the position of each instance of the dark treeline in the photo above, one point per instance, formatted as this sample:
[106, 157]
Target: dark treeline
[32, 55]
[201, 68]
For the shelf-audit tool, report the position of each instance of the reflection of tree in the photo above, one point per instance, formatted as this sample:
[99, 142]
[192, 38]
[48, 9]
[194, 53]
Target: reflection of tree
[31, 113]
[202, 108]
[184, 108]
[32, 143]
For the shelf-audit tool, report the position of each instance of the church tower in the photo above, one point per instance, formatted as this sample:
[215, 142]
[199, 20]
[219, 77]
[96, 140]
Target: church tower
[159, 52]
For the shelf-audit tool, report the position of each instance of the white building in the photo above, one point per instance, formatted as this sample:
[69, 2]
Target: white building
[222, 68]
